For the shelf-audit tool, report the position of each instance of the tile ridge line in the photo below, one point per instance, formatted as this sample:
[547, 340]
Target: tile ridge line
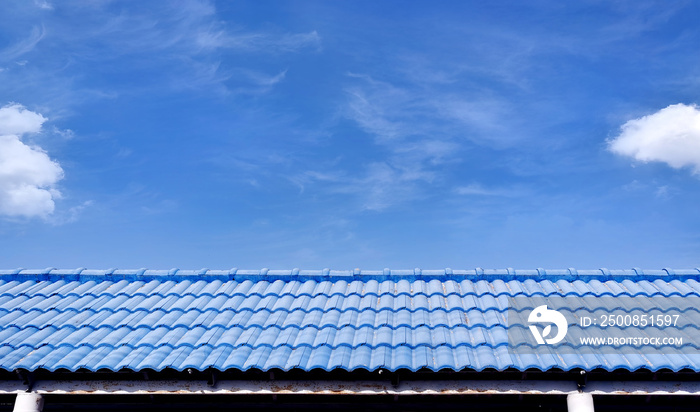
[416, 274]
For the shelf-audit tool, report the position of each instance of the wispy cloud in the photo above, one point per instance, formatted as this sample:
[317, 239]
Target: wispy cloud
[420, 128]
[384, 185]
[264, 80]
[652, 188]
[376, 187]
[390, 112]
[70, 215]
[192, 27]
[252, 82]
[476, 189]
[190, 30]
[43, 4]
[185, 42]
[372, 117]
[263, 42]
[297, 41]
[21, 48]
[184, 26]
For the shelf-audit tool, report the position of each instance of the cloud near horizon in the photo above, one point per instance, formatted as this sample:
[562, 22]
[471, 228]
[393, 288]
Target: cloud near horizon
[671, 136]
[28, 176]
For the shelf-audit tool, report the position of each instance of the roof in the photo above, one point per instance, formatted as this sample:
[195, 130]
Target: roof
[295, 319]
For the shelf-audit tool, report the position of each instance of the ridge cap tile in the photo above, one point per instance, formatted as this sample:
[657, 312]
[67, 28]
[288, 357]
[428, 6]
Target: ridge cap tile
[327, 274]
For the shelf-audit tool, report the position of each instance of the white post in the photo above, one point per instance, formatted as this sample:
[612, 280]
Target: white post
[579, 402]
[28, 402]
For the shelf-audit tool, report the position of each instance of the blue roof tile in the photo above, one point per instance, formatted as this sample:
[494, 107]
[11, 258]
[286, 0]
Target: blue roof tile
[413, 319]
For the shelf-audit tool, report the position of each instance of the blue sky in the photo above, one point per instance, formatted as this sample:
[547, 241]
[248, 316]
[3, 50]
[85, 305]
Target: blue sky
[365, 134]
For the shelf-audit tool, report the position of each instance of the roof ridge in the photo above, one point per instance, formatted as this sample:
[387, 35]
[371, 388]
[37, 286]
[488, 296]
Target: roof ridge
[266, 274]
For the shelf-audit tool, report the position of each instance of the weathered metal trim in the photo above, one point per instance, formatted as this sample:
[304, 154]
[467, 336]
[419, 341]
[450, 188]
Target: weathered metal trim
[404, 388]
[291, 387]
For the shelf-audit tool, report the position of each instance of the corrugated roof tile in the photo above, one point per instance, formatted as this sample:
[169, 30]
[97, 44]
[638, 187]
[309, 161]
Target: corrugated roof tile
[318, 319]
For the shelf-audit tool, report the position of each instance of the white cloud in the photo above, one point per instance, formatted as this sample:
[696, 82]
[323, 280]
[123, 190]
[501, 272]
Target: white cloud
[671, 136]
[27, 175]
[16, 120]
